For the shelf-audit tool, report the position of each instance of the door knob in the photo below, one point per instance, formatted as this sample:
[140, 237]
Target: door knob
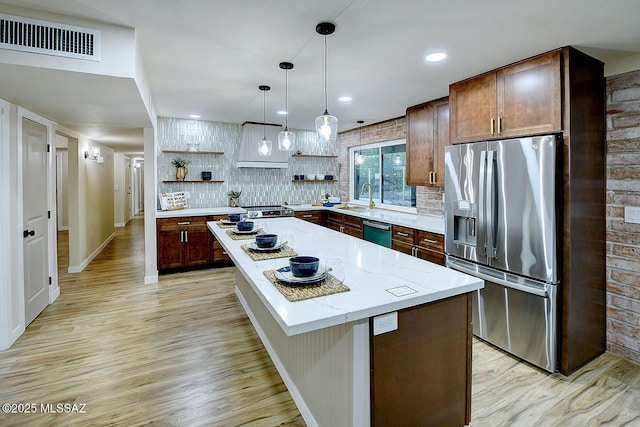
[27, 233]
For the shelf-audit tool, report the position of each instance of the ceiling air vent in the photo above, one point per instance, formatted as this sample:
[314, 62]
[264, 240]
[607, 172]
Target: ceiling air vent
[49, 38]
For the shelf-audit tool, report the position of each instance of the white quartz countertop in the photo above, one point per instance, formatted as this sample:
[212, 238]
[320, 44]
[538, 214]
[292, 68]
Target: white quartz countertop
[419, 222]
[198, 212]
[371, 271]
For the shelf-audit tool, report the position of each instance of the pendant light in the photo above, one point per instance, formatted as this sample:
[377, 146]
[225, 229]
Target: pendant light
[326, 124]
[265, 145]
[360, 158]
[286, 138]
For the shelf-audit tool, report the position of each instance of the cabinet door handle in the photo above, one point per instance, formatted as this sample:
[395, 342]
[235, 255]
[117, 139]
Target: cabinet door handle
[493, 126]
[181, 236]
[184, 223]
[499, 126]
[433, 242]
[186, 237]
[399, 233]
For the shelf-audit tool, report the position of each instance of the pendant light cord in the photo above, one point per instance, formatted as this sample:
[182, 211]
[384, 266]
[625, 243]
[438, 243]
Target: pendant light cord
[286, 99]
[264, 114]
[326, 96]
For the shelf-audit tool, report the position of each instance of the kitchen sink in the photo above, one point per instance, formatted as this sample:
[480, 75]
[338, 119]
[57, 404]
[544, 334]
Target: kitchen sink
[355, 208]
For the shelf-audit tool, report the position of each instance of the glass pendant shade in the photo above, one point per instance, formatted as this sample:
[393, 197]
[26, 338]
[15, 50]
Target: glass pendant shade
[327, 127]
[286, 140]
[359, 159]
[265, 147]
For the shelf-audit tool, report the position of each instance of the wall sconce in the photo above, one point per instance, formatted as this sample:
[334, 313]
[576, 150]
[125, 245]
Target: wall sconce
[94, 154]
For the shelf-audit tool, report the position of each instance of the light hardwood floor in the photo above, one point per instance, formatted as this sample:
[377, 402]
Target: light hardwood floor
[182, 352]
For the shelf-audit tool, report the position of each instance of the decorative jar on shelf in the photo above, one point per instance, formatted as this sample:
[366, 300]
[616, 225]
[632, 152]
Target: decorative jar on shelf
[181, 167]
[181, 173]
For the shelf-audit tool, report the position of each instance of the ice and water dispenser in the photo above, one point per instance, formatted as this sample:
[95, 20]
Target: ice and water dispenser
[464, 223]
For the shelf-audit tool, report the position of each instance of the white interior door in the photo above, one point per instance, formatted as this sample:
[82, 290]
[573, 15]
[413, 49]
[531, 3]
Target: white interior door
[35, 218]
[127, 185]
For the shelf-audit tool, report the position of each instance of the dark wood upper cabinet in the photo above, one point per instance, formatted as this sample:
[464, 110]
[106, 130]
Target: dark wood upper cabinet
[427, 135]
[517, 100]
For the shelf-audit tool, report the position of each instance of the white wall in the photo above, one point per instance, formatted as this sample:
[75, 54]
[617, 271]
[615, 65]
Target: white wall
[91, 206]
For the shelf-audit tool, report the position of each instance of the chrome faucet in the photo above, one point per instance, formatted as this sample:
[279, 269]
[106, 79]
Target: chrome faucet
[371, 204]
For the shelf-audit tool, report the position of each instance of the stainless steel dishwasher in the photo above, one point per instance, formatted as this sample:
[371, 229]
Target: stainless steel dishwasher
[377, 232]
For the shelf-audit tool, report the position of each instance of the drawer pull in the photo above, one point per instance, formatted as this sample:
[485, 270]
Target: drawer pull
[307, 216]
[402, 234]
[433, 242]
[184, 223]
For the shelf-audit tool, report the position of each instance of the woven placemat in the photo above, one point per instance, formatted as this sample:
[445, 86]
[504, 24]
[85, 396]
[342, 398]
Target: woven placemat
[223, 225]
[299, 293]
[235, 236]
[284, 252]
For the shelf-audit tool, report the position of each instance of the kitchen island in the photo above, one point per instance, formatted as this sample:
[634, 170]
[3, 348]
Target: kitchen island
[338, 371]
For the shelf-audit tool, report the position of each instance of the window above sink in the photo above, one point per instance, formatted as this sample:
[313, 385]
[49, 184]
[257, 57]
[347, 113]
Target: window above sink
[384, 167]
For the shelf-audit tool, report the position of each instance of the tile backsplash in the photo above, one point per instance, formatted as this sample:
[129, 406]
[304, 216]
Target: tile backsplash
[259, 186]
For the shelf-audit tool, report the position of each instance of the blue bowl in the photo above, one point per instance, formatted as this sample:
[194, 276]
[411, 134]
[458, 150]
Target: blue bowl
[235, 217]
[304, 266]
[328, 177]
[266, 240]
[245, 225]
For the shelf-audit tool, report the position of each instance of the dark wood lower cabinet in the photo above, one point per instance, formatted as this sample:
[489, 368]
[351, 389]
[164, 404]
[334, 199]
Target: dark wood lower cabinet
[316, 217]
[421, 372]
[421, 244]
[347, 224]
[185, 242]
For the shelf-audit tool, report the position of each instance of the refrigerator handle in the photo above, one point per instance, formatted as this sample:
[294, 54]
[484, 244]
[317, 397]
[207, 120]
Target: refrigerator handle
[481, 245]
[490, 206]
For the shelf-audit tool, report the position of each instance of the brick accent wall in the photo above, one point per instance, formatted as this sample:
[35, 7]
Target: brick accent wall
[428, 199]
[623, 239]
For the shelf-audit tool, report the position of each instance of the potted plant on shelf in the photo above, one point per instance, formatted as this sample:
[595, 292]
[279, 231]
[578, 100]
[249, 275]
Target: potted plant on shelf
[181, 167]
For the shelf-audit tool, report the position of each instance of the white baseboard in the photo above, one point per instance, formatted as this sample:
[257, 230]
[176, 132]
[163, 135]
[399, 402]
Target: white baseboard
[148, 280]
[86, 262]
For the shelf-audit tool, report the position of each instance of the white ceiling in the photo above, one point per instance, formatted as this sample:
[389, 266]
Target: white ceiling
[209, 56]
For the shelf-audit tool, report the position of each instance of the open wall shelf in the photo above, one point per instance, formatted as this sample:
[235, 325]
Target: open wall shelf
[192, 152]
[200, 180]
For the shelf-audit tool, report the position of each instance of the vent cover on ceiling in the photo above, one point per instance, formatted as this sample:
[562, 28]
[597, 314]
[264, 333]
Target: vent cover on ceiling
[49, 38]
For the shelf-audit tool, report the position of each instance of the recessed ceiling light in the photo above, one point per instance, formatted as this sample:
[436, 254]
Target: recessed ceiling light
[436, 57]
[345, 99]
[194, 116]
[282, 112]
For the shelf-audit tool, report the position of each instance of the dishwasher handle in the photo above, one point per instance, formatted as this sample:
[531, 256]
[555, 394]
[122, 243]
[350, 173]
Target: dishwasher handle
[378, 225]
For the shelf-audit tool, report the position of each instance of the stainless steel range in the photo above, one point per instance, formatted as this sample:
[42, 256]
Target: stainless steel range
[273, 211]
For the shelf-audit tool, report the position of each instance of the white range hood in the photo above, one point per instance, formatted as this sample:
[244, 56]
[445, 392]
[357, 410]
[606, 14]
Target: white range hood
[250, 139]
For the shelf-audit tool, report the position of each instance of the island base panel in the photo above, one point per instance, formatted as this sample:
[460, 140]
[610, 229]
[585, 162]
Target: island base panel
[421, 372]
[326, 371]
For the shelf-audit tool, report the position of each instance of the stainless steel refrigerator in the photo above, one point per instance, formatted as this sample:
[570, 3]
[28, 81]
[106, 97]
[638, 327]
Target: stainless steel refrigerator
[501, 224]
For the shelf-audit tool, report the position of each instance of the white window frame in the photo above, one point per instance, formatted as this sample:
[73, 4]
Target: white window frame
[352, 197]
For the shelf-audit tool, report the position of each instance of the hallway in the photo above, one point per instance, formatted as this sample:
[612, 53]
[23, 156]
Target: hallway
[180, 352]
